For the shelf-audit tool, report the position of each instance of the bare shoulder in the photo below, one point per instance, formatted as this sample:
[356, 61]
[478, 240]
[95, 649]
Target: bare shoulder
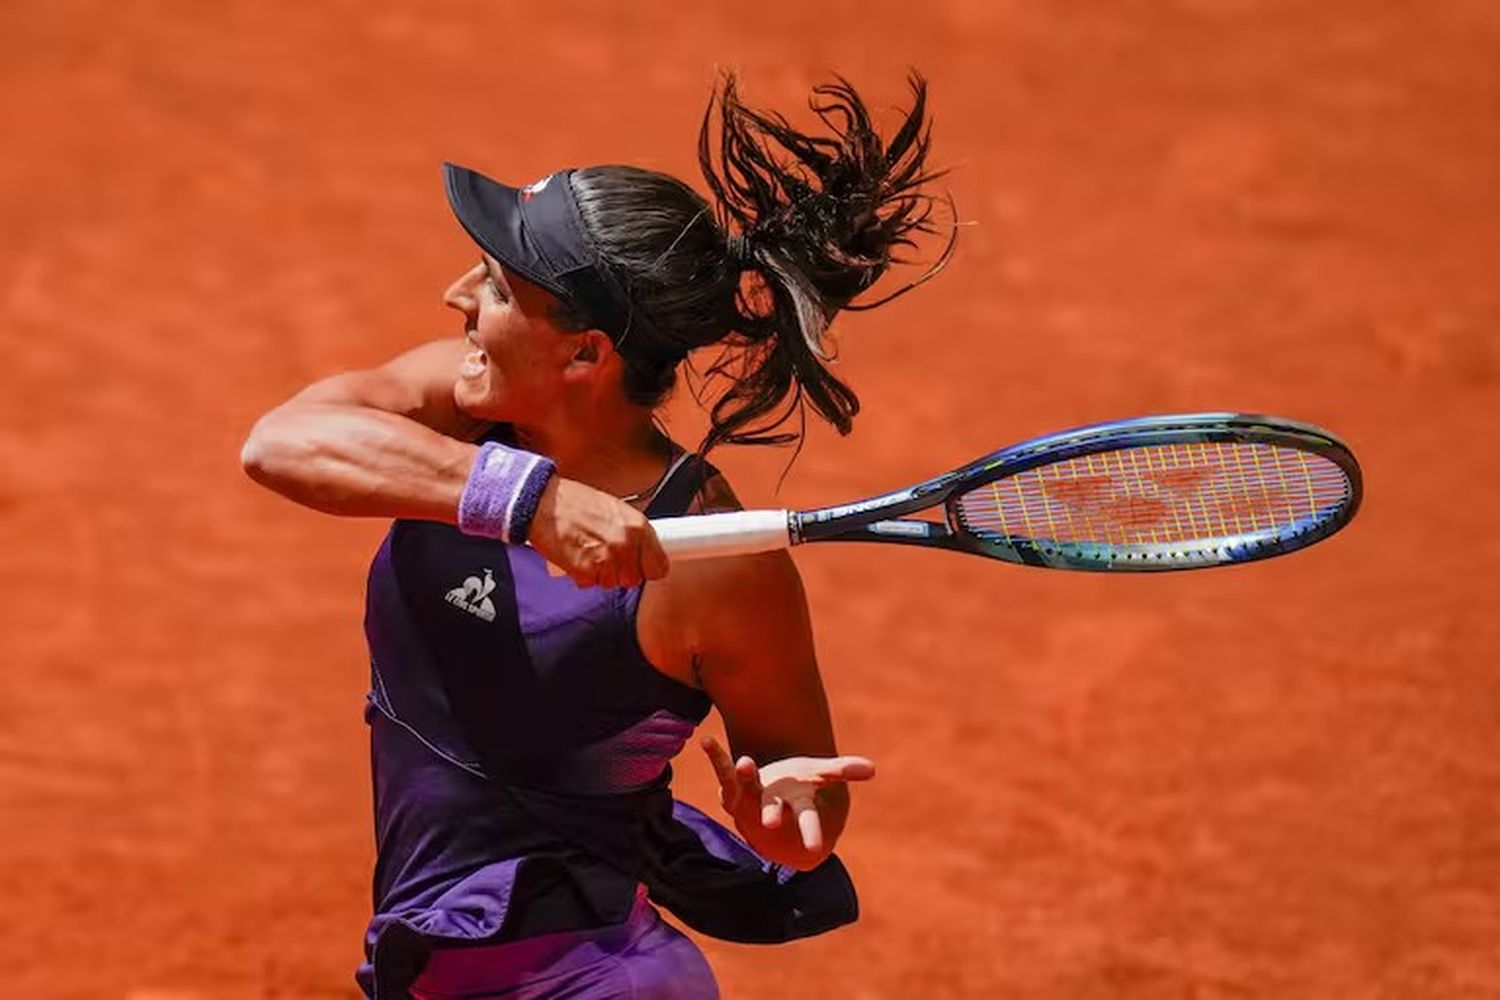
[736, 592]
[730, 612]
[728, 588]
[712, 607]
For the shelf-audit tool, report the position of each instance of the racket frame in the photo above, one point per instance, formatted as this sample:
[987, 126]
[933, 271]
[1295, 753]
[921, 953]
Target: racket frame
[881, 518]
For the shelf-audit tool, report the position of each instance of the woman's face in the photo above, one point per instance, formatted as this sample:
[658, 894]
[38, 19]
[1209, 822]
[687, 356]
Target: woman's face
[515, 366]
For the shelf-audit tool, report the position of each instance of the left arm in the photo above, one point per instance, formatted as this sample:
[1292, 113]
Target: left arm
[745, 624]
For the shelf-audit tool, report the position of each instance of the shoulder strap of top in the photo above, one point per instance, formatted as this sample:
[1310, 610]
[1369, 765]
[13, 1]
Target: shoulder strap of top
[681, 485]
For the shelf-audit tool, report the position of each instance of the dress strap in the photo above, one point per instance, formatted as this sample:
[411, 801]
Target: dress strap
[681, 485]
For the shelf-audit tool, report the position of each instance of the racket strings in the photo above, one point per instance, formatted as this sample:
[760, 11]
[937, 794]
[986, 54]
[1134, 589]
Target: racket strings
[1171, 494]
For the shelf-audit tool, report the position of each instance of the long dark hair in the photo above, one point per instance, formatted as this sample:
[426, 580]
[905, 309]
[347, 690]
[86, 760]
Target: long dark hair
[800, 226]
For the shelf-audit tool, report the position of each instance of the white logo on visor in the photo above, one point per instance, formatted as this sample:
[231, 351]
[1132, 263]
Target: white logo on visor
[537, 186]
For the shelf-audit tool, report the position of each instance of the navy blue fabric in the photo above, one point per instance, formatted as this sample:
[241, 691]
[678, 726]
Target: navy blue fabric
[519, 747]
[538, 232]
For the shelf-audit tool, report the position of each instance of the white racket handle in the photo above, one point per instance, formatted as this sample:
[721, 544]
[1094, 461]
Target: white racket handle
[736, 533]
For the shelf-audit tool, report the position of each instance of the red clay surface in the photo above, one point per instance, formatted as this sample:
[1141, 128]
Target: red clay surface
[1276, 781]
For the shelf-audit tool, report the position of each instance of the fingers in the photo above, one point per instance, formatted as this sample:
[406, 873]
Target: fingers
[597, 539]
[770, 812]
[638, 556]
[599, 563]
[586, 577]
[741, 790]
[748, 775]
[618, 554]
[729, 786]
[654, 562]
[851, 769]
[789, 771]
[809, 823]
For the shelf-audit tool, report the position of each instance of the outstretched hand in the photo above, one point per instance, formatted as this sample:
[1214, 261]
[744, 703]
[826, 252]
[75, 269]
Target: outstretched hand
[596, 539]
[759, 797]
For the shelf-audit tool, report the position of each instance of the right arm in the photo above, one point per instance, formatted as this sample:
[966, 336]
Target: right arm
[392, 442]
[384, 442]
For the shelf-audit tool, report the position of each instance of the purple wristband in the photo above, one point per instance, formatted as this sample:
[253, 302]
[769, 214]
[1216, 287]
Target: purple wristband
[502, 493]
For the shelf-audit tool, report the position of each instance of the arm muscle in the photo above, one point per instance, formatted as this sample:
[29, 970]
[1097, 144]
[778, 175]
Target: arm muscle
[388, 441]
[745, 624]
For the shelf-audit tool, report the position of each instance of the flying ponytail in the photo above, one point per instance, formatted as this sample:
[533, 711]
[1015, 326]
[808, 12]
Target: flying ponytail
[799, 227]
[814, 222]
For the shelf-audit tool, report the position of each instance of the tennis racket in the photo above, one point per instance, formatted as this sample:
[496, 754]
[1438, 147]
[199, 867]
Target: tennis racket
[1152, 493]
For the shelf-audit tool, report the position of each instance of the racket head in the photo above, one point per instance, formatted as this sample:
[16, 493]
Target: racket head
[1157, 493]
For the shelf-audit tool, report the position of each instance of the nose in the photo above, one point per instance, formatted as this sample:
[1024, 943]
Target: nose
[460, 294]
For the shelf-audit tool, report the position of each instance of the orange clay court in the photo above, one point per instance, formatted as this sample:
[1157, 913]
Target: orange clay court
[1280, 780]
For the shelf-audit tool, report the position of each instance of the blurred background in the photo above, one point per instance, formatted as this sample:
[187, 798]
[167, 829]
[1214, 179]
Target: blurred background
[1279, 780]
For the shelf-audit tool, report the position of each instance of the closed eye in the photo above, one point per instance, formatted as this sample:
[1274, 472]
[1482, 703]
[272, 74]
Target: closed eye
[495, 286]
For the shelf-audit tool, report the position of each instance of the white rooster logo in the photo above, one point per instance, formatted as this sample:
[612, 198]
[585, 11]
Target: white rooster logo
[474, 596]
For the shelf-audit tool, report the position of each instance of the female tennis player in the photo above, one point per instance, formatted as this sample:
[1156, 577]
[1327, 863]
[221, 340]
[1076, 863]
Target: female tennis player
[522, 722]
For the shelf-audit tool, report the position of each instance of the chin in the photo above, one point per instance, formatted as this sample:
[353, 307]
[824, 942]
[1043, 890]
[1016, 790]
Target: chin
[475, 399]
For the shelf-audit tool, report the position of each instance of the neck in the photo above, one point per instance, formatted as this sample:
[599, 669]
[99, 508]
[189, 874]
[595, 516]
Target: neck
[614, 448]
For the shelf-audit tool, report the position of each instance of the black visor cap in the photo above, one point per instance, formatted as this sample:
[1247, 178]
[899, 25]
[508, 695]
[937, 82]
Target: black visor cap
[536, 231]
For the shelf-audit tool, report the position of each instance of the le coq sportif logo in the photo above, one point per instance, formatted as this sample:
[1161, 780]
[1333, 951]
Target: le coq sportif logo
[474, 596]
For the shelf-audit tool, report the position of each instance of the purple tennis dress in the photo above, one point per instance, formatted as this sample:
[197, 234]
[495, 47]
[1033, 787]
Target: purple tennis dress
[519, 746]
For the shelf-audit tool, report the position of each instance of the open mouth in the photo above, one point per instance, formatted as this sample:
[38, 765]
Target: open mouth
[475, 360]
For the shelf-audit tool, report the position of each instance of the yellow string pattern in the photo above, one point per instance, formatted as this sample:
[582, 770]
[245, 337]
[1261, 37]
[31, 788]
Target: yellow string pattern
[1171, 493]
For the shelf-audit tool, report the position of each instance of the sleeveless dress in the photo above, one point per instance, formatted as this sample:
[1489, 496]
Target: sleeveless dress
[519, 750]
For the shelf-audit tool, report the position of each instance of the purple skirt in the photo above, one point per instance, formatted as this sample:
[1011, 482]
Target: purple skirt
[643, 958]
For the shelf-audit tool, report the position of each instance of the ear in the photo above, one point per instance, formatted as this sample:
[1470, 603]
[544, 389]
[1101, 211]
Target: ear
[592, 353]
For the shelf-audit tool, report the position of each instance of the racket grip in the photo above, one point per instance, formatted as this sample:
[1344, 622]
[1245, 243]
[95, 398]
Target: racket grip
[736, 533]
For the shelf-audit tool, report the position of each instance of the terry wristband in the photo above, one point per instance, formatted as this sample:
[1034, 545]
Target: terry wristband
[502, 493]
